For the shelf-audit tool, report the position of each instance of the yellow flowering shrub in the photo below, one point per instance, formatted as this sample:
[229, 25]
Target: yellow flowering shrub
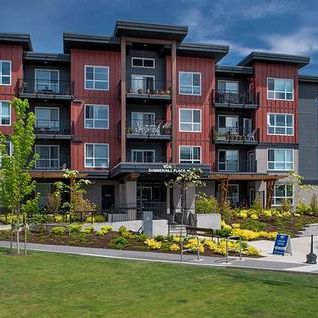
[225, 226]
[174, 247]
[175, 238]
[243, 214]
[254, 216]
[192, 244]
[249, 235]
[267, 213]
[236, 225]
[153, 244]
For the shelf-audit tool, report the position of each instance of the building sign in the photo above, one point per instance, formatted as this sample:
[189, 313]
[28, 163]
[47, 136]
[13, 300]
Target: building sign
[282, 245]
[167, 169]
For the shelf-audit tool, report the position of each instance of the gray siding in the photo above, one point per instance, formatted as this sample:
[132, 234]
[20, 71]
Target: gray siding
[308, 131]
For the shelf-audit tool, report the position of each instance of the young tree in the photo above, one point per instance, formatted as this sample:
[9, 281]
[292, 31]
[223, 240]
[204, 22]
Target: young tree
[16, 184]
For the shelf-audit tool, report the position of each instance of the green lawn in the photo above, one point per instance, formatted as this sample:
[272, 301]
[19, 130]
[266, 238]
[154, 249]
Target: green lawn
[56, 285]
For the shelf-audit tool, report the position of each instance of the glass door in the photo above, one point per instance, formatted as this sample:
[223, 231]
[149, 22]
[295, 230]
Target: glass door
[47, 81]
[228, 160]
[228, 124]
[47, 118]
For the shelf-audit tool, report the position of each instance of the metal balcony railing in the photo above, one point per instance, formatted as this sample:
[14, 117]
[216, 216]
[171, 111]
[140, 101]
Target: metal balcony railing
[54, 127]
[48, 164]
[148, 86]
[235, 135]
[149, 128]
[49, 87]
[232, 98]
[235, 166]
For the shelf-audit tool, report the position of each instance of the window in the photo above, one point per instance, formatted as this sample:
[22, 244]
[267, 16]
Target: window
[47, 80]
[5, 72]
[280, 159]
[49, 157]
[280, 124]
[190, 120]
[97, 116]
[228, 160]
[96, 155]
[228, 124]
[141, 120]
[8, 151]
[143, 155]
[5, 113]
[228, 86]
[282, 192]
[279, 88]
[143, 62]
[233, 194]
[142, 84]
[190, 154]
[45, 190]
[97, 77]
[47, 118]
[190, 83]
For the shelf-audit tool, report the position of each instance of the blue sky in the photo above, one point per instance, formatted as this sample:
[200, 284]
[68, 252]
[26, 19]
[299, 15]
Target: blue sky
[245, 25]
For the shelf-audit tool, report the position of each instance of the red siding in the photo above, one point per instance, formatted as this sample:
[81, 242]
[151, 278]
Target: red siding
[14, 54]
[80, 58]
[262, 72]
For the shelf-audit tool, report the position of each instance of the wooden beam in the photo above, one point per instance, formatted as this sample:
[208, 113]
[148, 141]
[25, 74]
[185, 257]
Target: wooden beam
[270, 184]
[52, 174]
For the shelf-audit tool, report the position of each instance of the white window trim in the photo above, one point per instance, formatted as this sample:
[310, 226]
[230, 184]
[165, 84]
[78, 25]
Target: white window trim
[192, 131]
[238, 160]
[182, 72]
[98, 105]
[292, 198]
[190, 161]
[285, 162]
[58, 156]
[99, 144]
[48, 70]
[107, 81]
[143, 59]
[274, 78]
[285, 127]
[229, 81]
[10, 62]
[10, 109]
[133, 78]
[143, 150]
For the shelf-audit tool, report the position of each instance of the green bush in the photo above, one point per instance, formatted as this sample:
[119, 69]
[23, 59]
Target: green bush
[119, 242]
[122, 230]
[303, 208]
[58, 218]
[95, 219]
[257, 204]
[224, 232]
[58, 230]
[253, 225]
[159, 238]
[75, 228]
[104, 230]
[314, 204]
[88, 230]
[141, 237]
[286, 206]
[206, 204]
[227, 212]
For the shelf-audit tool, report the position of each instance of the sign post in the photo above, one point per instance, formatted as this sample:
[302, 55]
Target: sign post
[282, 245]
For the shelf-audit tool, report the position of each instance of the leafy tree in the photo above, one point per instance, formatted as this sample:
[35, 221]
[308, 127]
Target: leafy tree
[206, 204]
[17, 186]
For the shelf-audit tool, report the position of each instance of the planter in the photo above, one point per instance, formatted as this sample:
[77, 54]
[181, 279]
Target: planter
[210, 221]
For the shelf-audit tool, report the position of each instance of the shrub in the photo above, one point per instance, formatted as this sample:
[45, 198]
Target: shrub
[104, 230]
[257, 204]
[58, 218]
[253, 225]
[160, 238]
[153, 244]
[174, 247]
[88, 230]
[286, 206]
[75, 228]
[226, 211]
[303, 208]
[141, 237]
[58, 230]
[314, 204]
[95, 219]
[120, 242]
[193, 246]
[249, 235]
[206, 204]
[122, 229]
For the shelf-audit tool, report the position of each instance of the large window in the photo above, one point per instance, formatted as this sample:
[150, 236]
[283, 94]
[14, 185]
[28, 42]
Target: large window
[47, 80]
[142, 84]
[96, 155]
[143, 62]
[233, 194]
[97, 77]
[228, 124]
[97, 116]
[49, 157]
[143, 155]
[5, 113]
[280, 124]
[190, 120]
[283, 192]
[5, 72]
[190, 154]
[228, 86]
[280, 159]
[279, 88]
[47, 118]
[228, 160]
[189, 83]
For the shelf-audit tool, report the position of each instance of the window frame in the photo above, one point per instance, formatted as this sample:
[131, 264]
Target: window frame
[143, 62]
[94, 158]
[285, 127]
[47, 70]
[96, 105]
[10, 111]
[285, 92]
[49, 107]
[49, 159]
[94, 80]
[226, 90]
[274, 200]
[1, 75]
[238, 160]
[190, 160]
[190, 123]
[285, 162]
[153, 151]
[192, 73]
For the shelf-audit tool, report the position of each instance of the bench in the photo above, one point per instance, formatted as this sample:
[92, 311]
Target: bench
[201, 231]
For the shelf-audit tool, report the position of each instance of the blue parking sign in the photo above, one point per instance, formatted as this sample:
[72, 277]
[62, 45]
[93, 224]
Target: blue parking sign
[282, 245]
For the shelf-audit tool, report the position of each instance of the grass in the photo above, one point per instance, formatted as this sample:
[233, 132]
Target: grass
[57, 285]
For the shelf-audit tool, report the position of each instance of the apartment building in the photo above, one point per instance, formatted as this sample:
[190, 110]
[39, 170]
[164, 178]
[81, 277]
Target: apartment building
[130, 110]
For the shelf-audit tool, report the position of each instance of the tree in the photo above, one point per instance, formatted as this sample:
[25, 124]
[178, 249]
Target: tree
[17, 186]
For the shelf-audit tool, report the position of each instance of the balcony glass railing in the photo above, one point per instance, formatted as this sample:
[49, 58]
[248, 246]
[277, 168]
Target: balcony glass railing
[56, 127]
[236, 166]
[247, 97]
[148, 86]
[235, 135]
[150, 128]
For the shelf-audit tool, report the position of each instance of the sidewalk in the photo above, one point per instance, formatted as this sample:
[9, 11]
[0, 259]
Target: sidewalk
[246, 262]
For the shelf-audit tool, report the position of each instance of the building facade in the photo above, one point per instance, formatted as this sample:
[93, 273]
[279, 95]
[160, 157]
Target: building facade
[129, 110]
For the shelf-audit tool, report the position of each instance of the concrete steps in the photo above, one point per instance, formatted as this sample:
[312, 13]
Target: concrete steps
[309, 229]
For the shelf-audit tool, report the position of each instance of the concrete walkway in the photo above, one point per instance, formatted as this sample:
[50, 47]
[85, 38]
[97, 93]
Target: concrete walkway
[246, 262]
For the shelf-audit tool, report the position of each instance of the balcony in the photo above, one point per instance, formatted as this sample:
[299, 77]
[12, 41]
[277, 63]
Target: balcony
[55, 129]
[46, 89]
[235, 166]
[235, 136]
[142, 129]
[233, 99]
[148, 89]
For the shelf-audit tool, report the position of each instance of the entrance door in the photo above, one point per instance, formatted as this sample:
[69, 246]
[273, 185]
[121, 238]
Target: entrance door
[144, 195]
[108, 197]
[247, 126]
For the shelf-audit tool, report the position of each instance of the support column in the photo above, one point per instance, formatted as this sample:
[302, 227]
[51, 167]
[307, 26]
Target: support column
[269, 193]
[174, 114]
[123, 98]
[224, 189]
